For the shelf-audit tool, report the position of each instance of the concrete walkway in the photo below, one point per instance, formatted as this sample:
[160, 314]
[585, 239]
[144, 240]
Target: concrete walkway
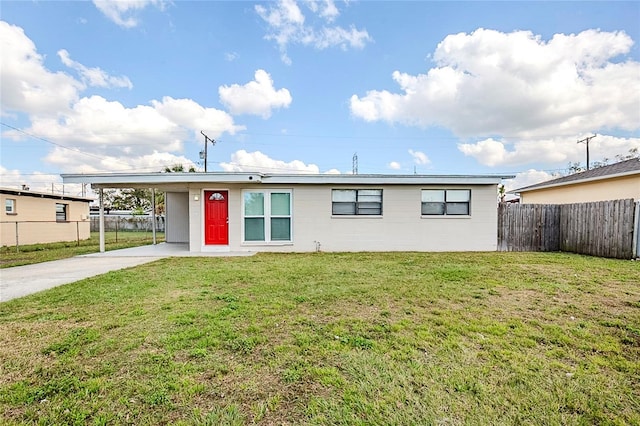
[21, 281]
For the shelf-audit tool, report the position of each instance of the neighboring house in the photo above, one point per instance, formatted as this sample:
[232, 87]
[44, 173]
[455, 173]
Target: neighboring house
[30, 217]
[302, 213]
[613, 182]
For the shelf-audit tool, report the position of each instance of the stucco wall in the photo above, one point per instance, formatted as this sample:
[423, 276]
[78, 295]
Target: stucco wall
[603, 190]
[400, 228]
[37, 224]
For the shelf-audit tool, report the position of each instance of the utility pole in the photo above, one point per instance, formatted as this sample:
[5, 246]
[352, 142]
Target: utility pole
[203, 154]
[586, 141]
[354, 164]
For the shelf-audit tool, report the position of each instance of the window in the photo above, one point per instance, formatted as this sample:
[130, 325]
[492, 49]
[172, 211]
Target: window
[10, 206]
[450, 202]
[356, 202]
[61, 212]
[267, 216]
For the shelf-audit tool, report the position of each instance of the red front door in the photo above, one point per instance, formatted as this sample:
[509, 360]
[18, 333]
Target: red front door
[216, 217]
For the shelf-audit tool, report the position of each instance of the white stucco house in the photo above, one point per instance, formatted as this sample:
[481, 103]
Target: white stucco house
[303, 212]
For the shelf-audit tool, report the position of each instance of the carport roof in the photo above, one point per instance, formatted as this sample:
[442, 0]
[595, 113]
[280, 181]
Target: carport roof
[163, 180]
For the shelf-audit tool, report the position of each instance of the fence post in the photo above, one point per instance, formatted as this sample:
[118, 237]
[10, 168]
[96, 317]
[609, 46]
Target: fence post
[153, 215]
[636, 232]
[17, 240]
[78, 233]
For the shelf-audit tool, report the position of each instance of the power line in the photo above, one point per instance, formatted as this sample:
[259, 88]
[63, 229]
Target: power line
[51, 142]
[290, 135]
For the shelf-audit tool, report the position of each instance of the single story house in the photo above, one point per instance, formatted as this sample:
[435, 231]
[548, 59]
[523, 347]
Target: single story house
[303, 212]
[613, 182]
[31, 217]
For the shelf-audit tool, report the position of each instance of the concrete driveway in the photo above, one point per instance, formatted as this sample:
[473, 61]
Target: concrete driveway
[21, 281]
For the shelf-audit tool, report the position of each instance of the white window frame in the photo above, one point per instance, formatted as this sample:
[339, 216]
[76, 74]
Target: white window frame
[357, 203]
[267, 216]
[10, 206]
[446, 201]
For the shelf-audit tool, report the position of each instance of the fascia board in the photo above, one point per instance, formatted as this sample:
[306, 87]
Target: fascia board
[382, 179]
[158, 179]
[573, 182]
[152, 179]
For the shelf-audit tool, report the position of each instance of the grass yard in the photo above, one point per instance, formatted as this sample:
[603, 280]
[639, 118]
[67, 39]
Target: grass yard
[325, 339]
[36, 253]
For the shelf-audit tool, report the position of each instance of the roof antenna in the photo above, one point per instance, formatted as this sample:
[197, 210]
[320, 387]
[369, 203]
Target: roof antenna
[354, 163]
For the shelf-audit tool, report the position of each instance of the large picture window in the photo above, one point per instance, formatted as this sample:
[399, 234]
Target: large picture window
[446, 202]
[267, 215]
[61, 212]
[356, 202]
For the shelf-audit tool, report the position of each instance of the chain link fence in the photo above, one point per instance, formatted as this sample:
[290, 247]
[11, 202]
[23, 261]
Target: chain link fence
[117, 229]
[127, 223]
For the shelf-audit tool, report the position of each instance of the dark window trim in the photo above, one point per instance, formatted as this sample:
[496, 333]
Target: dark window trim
[65, 211]
[445, 204]
[359, 207]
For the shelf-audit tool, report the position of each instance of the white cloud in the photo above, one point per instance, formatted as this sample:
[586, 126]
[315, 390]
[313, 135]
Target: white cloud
[152, 162]
[394, 165]
[419, 158]
[257, 97]
[188, 113]
[243, 161]
[526, 178]
[41, 182]
[122, 12]
[36, 181]
[109, 129]
[288, 25]
[562, 150]
[516, 86]
[231, 56]
[326, 9]
[27, 86]
[94, 76]
[101, 135]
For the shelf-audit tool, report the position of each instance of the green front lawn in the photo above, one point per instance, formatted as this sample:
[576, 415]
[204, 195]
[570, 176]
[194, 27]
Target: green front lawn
[36, 253]
[369, 339]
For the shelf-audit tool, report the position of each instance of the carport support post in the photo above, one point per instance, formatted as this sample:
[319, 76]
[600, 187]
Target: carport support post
[101, 192]
[153, 214]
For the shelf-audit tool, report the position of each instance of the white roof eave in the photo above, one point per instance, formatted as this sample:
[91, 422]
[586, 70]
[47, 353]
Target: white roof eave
[381, 179]
[106, 180]
[153, 179]
[551, 184]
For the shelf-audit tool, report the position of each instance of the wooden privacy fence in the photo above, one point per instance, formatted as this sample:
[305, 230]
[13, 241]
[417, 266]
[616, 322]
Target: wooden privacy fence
[604, 228]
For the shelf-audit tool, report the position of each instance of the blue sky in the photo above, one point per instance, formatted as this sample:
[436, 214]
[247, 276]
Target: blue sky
[425, 87]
